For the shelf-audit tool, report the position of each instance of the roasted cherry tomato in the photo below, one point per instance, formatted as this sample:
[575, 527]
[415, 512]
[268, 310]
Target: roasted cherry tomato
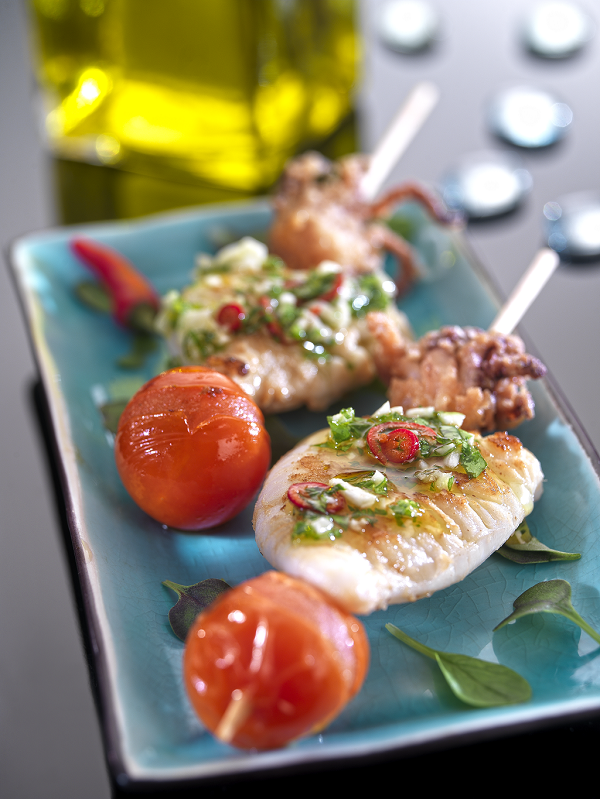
[391, 442]
[313, 496]
[191, 448]
[272, 660]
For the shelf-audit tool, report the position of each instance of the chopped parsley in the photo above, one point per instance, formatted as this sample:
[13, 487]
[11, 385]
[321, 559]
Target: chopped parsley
[454, 445]
[312, 308]
[406, 509]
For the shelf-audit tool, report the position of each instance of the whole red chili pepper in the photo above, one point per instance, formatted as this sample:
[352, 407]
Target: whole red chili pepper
[135, 301]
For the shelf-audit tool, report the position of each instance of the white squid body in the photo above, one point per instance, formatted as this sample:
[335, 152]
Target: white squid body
[369, 568]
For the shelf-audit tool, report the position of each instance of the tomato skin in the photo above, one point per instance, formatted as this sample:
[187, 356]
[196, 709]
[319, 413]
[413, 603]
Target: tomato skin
[295, 657]
[191, 448]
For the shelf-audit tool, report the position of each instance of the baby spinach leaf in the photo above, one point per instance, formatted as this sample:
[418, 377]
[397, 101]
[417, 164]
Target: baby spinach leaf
[95, 296]
[523, 547]
[142, 345]
[193, 599]
[552, 596]
[475, 682]
[111, 413]
[282, 439]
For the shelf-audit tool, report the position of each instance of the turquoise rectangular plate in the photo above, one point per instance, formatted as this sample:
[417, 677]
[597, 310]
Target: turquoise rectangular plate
[123, 556]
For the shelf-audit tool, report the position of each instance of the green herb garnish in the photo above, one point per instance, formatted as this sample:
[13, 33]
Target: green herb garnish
[366, 479]
[553, 596]
[316, 285]
[523, 547]
[345, 425]
[405, 509]
[475, 682]
[95, 296]
[192, 600]
[111, 413]
[318, 528]
[142, 345]
[371, 296]
[199, 344]
[471, 458]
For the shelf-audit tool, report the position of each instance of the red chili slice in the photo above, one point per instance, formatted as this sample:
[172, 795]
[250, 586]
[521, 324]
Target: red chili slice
[231, 316]
[337, 284]
[420, 428]
[298, 494]
[272, 324]
[392, 443]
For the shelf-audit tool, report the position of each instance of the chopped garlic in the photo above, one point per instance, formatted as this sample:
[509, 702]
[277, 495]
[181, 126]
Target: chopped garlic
[424, 412]
[353, 494]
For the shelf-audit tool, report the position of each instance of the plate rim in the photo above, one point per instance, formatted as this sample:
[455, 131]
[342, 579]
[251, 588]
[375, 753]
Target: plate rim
[123, 766]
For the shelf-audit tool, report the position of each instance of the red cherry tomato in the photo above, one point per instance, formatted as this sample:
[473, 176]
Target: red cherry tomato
[271, 660]
[300, 495]
[391, 442]
[191, 448]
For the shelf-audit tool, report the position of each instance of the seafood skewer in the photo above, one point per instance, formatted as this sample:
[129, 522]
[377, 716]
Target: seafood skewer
[327, 211]
[527, 289]
[321, 215]
[390, 508]
[480, 374]
[404, 127]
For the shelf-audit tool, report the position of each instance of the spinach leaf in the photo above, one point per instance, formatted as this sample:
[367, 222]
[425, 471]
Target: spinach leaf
[95, 296]
[475, 682]
[553, 596]
[193, 599]
[523, 547]
[111, 413]
[142, 345]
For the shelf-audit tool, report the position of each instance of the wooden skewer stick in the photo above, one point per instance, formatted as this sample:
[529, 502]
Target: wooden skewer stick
[525, 292]
[406, 124]
[236, 713]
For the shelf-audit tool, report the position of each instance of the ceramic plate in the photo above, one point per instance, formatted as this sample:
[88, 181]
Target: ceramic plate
[123, 556]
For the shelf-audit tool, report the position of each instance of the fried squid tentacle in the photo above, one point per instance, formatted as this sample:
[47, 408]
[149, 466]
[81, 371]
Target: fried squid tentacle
[320, 215]
[482, 375]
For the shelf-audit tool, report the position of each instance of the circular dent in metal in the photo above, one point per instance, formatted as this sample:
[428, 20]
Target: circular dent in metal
[408, 26]
[557, 29]
[572, 225]
[529, 117]
[486, 184]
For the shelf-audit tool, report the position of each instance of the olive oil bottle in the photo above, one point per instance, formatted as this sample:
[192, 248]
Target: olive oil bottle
[216, 91]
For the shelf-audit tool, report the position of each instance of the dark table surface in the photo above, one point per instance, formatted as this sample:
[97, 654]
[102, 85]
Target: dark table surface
[50, 739]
